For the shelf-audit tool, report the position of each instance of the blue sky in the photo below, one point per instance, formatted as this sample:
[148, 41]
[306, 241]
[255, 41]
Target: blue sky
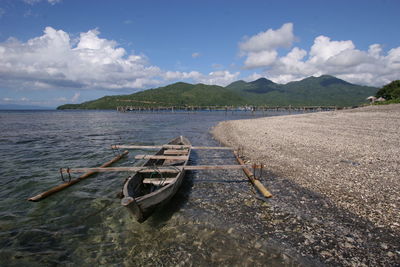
[68, 51]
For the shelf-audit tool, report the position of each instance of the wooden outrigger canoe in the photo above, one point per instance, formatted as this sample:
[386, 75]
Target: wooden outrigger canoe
[158, 179]
[145, 191]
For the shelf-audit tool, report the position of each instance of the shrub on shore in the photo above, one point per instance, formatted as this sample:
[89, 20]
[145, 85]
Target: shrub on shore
[390, 92]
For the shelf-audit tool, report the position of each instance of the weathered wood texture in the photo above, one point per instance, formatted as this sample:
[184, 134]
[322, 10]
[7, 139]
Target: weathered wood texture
[171, 169]
[161, 157]
[157, 181]
[67, 184]
[250, 175]
[171, 147]
[175, 152]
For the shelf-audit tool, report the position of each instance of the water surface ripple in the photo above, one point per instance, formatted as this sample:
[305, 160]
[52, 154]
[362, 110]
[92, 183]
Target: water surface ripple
[208, 222]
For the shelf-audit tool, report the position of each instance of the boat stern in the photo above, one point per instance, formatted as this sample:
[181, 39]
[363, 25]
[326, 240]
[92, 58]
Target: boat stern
[133, 207]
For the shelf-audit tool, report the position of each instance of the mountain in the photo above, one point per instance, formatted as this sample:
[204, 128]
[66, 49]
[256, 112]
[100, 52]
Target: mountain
[177, 94]
[313, 91]
[325, 90]
[256, 92]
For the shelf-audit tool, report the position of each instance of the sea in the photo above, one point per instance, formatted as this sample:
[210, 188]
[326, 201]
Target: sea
[207, 223]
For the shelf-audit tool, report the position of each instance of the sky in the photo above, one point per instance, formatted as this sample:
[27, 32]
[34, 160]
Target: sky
[54, 52]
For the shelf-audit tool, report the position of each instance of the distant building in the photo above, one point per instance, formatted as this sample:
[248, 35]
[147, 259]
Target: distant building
[373, 99]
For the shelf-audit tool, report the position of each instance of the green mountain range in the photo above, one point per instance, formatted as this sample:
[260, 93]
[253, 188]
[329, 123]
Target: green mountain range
[313, 91]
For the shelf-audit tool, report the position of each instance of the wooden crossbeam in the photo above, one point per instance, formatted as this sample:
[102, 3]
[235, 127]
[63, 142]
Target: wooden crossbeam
[171, 147]
[161, 157]
[67, 184]
[213, 147]
[157, 181]
[175, 152]
[162, 169]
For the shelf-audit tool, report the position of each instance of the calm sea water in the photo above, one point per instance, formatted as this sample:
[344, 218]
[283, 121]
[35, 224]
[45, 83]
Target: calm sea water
[207, 223]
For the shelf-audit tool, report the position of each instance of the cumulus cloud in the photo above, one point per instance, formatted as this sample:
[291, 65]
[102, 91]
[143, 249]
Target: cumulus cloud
[52, 61]
[325, 56]
[269, 40]
[195, 55]
[222, 77]
[32, 2]
[261, 49]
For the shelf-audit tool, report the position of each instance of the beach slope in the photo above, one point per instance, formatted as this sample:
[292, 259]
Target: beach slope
[351, 156]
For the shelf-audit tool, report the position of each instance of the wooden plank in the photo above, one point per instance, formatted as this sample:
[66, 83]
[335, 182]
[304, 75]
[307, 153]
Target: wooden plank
[171, 147]
[124, 169]
[157, 181]
[250, 176]
[213, 147]
[175, 152]
[67, 184]
[161, 157]
[176, 146]
[135, 147]
[163, 169]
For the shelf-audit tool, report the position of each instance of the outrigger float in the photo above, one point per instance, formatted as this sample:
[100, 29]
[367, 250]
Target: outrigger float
[158, 179]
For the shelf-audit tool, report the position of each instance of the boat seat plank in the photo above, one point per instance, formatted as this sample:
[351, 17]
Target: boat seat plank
[169, 170]
[161, 157]
[175, 152]
[158, 181]
[176, 146]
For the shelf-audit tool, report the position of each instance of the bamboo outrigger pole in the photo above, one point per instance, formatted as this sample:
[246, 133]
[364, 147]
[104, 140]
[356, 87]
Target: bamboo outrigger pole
[161, 169]
[67, 184]
[171, 147]
[254, 181]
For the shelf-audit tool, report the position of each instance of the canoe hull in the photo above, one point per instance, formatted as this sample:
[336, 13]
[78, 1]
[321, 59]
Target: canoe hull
[142, 199]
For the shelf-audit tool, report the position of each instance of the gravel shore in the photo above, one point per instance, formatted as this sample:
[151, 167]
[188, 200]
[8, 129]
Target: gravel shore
[349, 159]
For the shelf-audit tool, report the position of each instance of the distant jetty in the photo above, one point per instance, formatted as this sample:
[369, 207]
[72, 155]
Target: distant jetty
[249, 108]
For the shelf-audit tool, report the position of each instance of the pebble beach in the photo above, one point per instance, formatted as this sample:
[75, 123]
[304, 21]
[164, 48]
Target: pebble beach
[337, 172]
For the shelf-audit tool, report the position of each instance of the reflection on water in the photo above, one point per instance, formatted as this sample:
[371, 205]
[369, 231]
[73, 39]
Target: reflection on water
[209, 221]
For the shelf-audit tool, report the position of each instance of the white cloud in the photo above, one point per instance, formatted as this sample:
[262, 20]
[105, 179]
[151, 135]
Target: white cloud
[195, 55]
[269, 40]
[53, 2]
[324, 49]
[32, 2]
[52, 61]
[260, 59]
[221, 77]
[75, 97]
[326, 56]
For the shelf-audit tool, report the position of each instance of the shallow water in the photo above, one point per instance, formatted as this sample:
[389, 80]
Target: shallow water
[208, 222]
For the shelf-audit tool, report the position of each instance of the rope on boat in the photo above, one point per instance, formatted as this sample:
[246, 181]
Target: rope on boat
[156, 170]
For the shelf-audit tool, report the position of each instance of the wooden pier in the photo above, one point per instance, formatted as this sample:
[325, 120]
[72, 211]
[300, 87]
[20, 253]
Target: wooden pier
[232, 109]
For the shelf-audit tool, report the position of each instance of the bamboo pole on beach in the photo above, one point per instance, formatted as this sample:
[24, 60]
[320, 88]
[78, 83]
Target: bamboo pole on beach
[67, 184]
[250, 176]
